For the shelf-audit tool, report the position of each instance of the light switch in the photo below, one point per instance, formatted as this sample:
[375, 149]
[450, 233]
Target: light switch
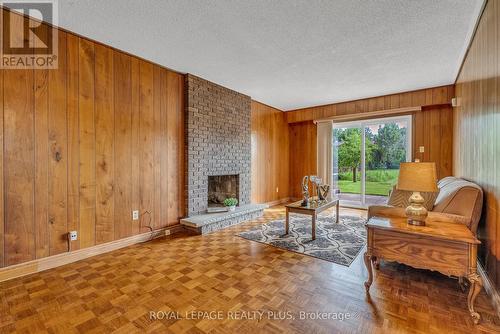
[421, 149]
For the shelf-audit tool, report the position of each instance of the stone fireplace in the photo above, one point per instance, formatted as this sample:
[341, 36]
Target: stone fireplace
[221, 187]
[218, 140]
[218, 154]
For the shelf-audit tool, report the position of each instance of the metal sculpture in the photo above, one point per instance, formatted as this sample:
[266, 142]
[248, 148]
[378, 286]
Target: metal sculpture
[319, 190]
[323, 191]
[305, 191]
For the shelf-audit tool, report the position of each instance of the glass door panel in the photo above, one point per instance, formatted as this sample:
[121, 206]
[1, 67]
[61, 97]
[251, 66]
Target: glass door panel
[347, 146]
[366, 157]
[386, 146]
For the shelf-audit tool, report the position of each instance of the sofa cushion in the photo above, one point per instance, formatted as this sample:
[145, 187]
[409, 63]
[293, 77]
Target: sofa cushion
[401, 198]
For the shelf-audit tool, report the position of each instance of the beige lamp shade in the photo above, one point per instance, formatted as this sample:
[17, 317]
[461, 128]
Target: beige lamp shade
[417, 176]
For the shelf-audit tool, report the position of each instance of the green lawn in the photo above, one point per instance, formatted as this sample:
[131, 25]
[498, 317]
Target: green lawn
[378, 182]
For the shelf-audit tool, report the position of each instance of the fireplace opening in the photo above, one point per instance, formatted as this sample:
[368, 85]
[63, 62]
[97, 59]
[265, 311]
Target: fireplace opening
[221, 187]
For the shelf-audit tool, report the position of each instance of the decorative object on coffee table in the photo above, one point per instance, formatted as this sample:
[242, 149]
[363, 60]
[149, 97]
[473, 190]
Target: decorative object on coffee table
[230, 203]
[416, 177]
[312, 209]
[323, 191]
[442, 245]
[316, 184]
[305, 190]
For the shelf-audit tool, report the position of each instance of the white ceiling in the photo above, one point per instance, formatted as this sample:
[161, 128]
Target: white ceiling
[289, 53]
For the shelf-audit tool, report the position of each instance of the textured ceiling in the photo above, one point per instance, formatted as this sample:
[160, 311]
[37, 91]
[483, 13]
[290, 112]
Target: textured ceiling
[289, 53]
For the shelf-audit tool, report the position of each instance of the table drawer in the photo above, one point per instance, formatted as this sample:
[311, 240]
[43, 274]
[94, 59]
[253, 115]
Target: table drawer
[446, 256]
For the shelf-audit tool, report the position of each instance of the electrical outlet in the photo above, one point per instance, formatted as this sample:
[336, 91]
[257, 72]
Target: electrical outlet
[167, 232]
[421, 149]
[73, 235]
[135, 215]
[417, 160]
[277, 189]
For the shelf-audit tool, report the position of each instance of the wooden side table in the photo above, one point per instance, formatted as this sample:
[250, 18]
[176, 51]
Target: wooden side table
[312, 210]
[443, 246]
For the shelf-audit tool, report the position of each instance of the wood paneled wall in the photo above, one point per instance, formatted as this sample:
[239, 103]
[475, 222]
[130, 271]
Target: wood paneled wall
[419, 98]
[476, 150]
[303, 154]
[270, 142]
[432, 128]
[83, 146]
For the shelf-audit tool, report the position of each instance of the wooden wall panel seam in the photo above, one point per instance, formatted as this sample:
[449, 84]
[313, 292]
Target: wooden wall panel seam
[104, 143]
[157, 141]
[41, 133]
[135, 73]
[147, 148]
[57, 123]
[87, 143]
[73, 137]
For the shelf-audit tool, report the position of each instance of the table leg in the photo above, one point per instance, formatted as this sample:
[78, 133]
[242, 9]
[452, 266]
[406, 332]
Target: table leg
[314, 226]
[476, 283]
[368, 264]
[287, 221]
[337, 217]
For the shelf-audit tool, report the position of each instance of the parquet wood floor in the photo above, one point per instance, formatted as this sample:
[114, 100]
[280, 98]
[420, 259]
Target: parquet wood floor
[116, 292]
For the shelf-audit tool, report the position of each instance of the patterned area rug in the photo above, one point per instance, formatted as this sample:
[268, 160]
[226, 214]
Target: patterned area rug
[338, 243]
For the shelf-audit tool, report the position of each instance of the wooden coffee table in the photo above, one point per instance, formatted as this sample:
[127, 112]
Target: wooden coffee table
[443, 246]
[313, 209]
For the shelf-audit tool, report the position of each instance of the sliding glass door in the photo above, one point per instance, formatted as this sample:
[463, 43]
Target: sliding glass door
[366, 157]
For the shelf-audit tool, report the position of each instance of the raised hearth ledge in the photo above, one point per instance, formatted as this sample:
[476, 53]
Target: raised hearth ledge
[210, 222]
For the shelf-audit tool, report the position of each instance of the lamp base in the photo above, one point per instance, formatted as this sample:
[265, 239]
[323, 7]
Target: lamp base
[416, 222]
[416, 212]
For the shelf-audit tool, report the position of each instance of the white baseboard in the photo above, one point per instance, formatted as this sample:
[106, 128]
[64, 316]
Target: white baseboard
[278, 202]
[490, 288]
[50, 262]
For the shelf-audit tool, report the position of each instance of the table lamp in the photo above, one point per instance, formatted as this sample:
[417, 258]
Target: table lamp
[417, 177]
